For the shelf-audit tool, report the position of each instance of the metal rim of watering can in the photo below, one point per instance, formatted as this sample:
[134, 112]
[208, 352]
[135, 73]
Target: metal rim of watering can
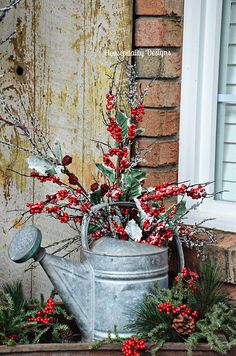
[95, 208]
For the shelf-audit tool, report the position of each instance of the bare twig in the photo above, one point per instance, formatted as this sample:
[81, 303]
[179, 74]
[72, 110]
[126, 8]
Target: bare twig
[6, 9]
[7, 38]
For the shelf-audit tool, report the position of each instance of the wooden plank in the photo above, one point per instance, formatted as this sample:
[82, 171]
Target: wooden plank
[70, 82]
[169, 349]
[17, 85]
[61, 48]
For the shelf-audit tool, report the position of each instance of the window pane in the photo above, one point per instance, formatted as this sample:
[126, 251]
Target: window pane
[225, 163]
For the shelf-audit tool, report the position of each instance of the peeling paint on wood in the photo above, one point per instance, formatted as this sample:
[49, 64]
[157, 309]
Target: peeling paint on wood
[61, 48]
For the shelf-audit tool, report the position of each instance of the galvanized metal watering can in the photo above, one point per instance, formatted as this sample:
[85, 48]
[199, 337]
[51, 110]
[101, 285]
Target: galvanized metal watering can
[111, 276]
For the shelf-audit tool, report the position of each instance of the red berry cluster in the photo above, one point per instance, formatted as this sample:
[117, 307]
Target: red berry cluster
[48, 177]
[57, 209]
[138, 112]
[36, 208]
[119, 152]
[107, 161]
[172, 212]
[115, 130]
[77, 219]
[86, 207]
[50, 305]
[197, 192]
[147, 224]
[63, 217]
[72, 201]
[119, 229]
[153, 211]
[123, 165]
[110, 101]
[13, 337]
[171, 190]
[41, 316]
[115, 193]
[188, 277]
[53, 209]
[184, 231]
[183, 309]
[132, 131]
[60, 195]
[160, 235]
[98, 234]
[131, 346]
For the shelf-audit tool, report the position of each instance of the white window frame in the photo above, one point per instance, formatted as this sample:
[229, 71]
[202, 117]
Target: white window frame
[198, 108]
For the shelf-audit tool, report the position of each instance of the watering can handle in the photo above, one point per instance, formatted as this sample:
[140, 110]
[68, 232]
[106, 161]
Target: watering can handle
[95, 208]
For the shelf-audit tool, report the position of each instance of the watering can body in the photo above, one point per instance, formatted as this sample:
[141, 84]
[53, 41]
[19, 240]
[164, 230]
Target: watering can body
[101, 290]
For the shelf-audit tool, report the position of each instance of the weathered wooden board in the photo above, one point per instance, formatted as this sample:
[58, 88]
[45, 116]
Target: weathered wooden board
[169, 349]
[15, 190]
[61, 47]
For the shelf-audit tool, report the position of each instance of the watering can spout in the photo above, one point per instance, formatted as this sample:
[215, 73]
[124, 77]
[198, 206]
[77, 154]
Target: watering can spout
[72, 280]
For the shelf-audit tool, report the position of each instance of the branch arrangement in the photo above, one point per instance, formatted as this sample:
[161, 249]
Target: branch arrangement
[155, 220]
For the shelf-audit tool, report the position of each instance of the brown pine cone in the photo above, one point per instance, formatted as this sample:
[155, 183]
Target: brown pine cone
[184, 324]
[67, 335]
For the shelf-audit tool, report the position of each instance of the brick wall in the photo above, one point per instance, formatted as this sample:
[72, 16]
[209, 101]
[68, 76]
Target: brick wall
[158, 29]
[158, 26]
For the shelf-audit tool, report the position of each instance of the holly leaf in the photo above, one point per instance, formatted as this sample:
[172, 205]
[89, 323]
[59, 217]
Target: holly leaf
[139, 131]
[109, 172]
[142, 215]
[138, 174]
[57, 151]
[181, 209]
[42, 166]
[95, 197]
[123, 121]
[93, 228]
[131, 186]
[133, 230]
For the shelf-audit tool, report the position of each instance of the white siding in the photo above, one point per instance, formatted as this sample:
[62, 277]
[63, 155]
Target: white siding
[226, 125]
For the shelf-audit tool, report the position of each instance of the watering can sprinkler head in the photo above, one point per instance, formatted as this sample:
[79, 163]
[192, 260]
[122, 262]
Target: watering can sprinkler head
[26, 244]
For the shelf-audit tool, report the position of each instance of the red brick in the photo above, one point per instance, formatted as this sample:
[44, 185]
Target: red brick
[158, 63]
[160, 122]
[153, 32]
[159, 177]
[224, 253]
[158, 154]
[171, 65]
[219, 256]
[159, 7]
[161, 94]
[231, 289]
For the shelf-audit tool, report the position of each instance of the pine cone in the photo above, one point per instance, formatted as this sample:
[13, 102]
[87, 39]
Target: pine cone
[67, 335]
[184, 324]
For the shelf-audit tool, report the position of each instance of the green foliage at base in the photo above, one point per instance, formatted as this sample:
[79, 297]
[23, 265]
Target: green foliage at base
[16, 326]
[217, 328]
[215, 324]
